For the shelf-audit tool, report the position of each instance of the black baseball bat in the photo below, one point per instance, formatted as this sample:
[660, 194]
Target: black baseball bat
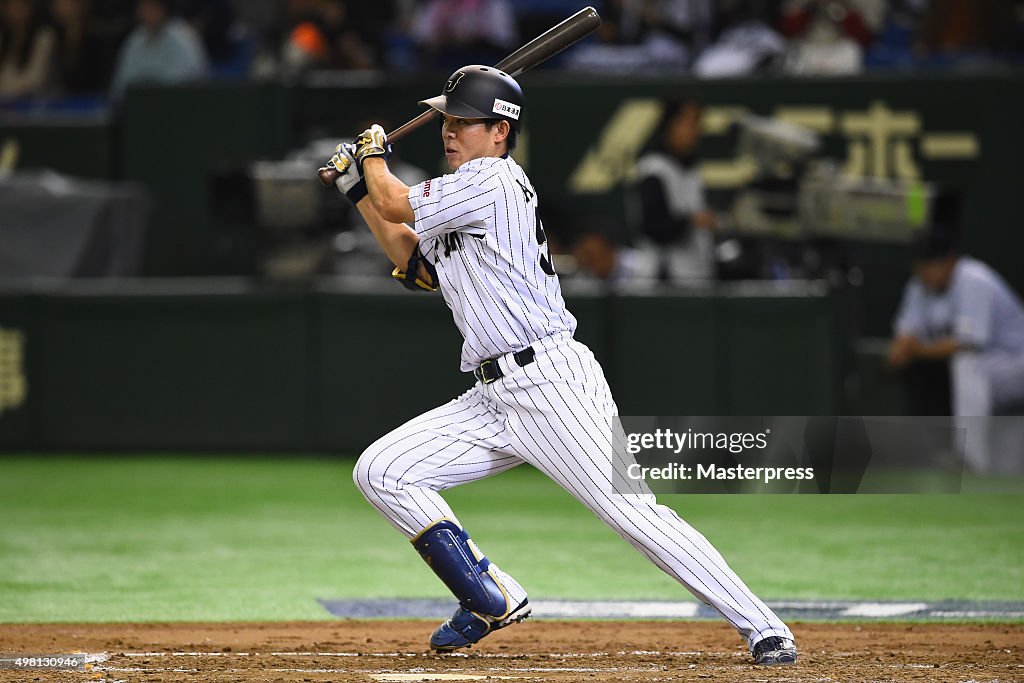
[544, 46]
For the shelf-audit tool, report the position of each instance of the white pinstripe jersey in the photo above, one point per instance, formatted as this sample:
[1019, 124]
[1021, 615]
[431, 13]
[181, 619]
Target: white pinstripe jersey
[479, 227]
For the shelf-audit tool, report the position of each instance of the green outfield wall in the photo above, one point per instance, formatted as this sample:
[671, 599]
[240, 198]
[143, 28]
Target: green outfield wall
[170, 367]
[85, 147]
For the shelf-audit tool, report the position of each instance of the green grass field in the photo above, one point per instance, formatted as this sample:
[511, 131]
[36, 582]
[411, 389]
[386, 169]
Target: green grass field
[158, 538]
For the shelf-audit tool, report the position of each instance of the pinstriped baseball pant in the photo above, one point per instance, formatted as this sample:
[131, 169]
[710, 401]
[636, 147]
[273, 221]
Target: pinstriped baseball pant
[554, 414]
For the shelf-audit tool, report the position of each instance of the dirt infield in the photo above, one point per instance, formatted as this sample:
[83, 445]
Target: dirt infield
[597, 652]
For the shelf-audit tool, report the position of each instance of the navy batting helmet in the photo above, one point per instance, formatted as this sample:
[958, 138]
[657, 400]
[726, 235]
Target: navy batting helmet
[481, 92]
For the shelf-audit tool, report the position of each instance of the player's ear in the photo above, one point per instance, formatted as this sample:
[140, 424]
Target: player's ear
[501, 131]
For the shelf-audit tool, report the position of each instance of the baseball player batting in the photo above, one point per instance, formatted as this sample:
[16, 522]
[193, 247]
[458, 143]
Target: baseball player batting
[540, 396]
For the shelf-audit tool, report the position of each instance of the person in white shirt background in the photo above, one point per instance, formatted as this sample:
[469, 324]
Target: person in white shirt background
[959, 309]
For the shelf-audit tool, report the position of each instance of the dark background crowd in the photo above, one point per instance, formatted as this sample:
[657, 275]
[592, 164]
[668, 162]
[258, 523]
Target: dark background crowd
[85, 52]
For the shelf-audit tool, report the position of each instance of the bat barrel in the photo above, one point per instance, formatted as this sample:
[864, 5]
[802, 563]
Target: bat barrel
[541, 48]
[551, 42]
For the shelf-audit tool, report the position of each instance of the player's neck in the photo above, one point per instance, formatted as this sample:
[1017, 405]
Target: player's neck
[497, 155]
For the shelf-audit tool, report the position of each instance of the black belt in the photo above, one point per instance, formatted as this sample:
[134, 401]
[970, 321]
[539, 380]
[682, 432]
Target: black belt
[489, 371]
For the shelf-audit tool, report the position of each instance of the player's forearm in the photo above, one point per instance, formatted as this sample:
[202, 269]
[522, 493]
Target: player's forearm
[390, 196]
[907, 347]
[939, 350]
[396, 239]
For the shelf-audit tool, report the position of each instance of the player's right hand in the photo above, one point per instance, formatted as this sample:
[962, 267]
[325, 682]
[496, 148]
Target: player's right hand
[350, 181]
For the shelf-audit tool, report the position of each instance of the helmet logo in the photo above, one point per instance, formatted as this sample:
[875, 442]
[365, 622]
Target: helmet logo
[454, 81]
[506, 108]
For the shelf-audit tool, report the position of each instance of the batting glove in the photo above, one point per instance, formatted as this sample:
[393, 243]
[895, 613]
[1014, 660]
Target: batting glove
[350, 181]
[372, 142]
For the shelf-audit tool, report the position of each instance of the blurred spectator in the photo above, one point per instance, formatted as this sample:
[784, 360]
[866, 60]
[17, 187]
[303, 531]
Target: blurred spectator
[959, 312]
[161, 49]
[894, 40]
[962, 28]
[685, 22]
[213, 20]
[345, 44]
[856, 19]
[84, 53]
[745, 41]
[453, 33]
[599, 257]
[374, 22]
[645, 34]
[669, 195]
[827, 36]
[306, 48]
[27, 49]
[958, 309]
[616, 45]
[327, 35]
[671, 31]
[596, 255]
[262, 22]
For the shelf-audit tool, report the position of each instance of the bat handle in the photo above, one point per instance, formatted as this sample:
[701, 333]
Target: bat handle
[329, 174]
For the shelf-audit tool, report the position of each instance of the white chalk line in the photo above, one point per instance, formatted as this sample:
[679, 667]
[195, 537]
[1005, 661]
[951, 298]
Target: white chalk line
[575, 609]
[530, 669]
[481, 655]
[883, 609]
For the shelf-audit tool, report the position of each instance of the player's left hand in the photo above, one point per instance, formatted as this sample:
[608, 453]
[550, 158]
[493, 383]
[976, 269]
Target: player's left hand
[904, 349]
[350, 181]
[372, 142]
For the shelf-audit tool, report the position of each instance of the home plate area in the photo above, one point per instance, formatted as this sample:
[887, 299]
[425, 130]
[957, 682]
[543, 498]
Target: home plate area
[537, 650]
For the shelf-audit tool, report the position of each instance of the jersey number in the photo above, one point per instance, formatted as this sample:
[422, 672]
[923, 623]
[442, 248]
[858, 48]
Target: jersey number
[545, 260]
[452, 242]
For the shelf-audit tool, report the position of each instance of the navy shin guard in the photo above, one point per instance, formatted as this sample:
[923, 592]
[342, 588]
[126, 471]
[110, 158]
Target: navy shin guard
[447, 549]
